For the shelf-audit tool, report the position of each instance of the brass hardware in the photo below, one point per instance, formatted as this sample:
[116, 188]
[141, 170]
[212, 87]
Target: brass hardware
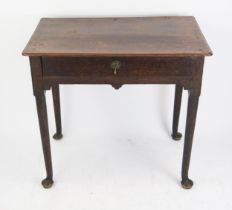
[115, 65]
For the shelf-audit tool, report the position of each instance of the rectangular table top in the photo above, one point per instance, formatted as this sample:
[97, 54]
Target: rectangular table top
[142, 36]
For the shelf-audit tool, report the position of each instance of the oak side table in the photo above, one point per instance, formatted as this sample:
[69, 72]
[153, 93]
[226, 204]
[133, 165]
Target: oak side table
[117, 51]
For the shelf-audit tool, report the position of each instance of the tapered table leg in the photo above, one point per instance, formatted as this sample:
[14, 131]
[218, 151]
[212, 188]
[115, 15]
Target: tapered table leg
[43, 123]
[56, 102]
[189, 131]
[176, 113]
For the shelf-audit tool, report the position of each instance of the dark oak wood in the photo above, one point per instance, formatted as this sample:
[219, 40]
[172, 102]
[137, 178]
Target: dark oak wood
[98, 70]
[176, 113]
[117, 51]
[36, 70]
[56, 102]
[189, 131]
[148, 36]
[43, 123]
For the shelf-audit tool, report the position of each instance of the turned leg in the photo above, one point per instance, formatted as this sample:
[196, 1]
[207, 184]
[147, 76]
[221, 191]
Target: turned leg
[189, 131]
[43, 123]
[176, 113]
[56, 102]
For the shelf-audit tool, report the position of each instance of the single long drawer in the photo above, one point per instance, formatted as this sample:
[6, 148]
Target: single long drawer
[108, 69]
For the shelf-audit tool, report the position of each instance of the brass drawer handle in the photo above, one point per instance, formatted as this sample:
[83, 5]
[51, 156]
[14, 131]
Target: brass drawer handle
[115, 65]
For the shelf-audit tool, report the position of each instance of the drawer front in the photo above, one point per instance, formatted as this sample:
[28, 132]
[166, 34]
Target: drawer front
[107, 69]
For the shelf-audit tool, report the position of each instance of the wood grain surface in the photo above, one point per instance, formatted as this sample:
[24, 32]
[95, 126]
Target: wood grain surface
[142, 36]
